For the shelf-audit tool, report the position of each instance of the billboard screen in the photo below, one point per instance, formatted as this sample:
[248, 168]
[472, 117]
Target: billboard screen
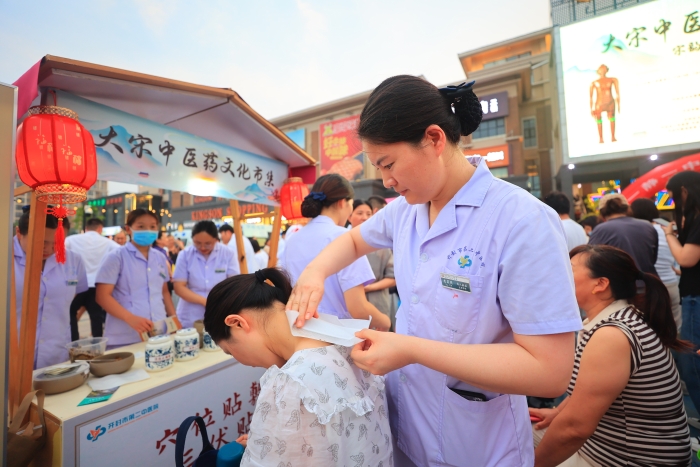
[341, 150]
[630, 79]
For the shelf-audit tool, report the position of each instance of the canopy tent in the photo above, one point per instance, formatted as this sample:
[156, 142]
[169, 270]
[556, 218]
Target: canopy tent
[655, 180]
[216, 115]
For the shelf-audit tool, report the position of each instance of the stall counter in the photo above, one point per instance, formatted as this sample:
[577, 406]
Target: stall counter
[138, 425]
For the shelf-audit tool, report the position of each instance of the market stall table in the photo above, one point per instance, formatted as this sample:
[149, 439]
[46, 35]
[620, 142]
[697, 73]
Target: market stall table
[138, 425]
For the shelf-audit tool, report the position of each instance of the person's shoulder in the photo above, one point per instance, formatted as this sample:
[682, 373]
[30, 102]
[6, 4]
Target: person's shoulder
[329, 382]
[74, 258]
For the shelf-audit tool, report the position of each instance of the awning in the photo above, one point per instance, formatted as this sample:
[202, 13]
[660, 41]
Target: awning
[217, 114]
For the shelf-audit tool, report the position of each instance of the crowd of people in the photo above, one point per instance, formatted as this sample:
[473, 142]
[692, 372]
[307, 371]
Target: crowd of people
[500, 296]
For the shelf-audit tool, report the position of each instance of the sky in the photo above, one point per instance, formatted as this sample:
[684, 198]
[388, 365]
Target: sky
[281, 56]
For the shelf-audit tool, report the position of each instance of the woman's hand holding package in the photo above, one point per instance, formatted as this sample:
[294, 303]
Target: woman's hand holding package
[140, 324]
[382, 352]
[306, 295]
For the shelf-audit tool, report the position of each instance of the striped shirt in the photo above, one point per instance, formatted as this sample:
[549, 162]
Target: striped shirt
[646, 424]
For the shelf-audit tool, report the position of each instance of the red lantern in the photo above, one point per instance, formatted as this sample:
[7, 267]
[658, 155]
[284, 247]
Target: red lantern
[56, 158]
[293, 192]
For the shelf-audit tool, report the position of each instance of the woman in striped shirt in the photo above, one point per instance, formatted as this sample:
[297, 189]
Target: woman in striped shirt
[625, 404]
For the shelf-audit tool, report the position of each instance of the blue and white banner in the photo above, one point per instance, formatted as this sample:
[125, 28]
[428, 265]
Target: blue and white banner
[131, 149]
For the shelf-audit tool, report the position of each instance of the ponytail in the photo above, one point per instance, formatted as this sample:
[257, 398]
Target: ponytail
[654, 304]
[258, 291]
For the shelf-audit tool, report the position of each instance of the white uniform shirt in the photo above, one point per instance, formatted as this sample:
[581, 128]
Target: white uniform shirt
[262, 258]
[92, 248]
[249, 253]
[201, 275]
[306, 244]
[510, 249]
[575, 234]
[59, 284]
[319, 410]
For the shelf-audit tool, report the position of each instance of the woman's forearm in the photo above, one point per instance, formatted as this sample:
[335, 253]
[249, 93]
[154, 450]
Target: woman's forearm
[385, 283]
[562, 440]
[168, 301]
[340, 253]
[523, 367]
[187, 295]
[112, 306]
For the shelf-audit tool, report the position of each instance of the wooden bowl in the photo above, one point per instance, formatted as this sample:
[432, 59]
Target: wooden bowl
[111, 364]
[61, 384]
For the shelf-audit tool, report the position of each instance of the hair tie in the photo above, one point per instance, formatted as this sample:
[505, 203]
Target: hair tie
[260, 276]
[317, 196]
[455, 93]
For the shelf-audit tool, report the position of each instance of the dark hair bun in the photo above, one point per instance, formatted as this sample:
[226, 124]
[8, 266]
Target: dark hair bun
[468, 110]
[311, 207]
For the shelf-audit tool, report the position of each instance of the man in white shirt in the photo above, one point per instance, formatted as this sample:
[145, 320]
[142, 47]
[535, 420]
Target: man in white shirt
[575, 234]
[92, 247]
[226, 234]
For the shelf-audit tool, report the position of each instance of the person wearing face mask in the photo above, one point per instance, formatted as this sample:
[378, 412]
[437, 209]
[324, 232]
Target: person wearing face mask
[59, 285]
[132, 283]
[199, 267]
[329, 205]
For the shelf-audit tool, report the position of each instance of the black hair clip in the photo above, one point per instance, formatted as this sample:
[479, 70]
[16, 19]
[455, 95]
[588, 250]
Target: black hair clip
[455, 92]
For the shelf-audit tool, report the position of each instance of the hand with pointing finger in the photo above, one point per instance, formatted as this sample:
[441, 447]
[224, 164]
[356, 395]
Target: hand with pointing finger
[306, 295]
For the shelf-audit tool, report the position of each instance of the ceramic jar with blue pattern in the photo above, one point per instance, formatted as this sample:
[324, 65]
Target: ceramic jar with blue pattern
[209, 344]
[186, 344]
[160, 354]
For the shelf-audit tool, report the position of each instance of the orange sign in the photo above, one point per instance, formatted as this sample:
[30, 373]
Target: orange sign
[495, 156]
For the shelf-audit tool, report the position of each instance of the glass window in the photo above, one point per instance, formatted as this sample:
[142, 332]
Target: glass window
[530, 132]
[532, 167]
[489, 128]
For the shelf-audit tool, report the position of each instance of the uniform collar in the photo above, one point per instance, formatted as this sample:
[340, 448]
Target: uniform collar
[474, 191]
[51, 263]
[134, 251]
[472, 194]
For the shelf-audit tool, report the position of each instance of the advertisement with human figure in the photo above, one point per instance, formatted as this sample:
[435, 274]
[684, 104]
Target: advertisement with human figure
[649, 56]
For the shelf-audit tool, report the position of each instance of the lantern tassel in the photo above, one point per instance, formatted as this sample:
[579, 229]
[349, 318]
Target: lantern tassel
[60, 239]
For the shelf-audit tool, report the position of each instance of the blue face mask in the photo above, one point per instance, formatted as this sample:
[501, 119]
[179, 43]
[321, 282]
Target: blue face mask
[144, 237]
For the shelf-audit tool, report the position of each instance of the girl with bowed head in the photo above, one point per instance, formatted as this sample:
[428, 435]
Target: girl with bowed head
[329, 205]
[316, 408]
[488, 309]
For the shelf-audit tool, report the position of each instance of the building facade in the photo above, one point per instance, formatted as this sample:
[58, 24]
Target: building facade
[517, 91]
[515, 83]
